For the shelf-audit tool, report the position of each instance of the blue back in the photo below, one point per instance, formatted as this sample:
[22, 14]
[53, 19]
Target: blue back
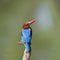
[26, 35]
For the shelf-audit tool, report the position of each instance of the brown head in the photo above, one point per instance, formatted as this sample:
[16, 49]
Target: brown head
[27, 24]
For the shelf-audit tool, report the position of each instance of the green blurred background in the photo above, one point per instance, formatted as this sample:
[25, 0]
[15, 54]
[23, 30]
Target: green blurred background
[46, 30]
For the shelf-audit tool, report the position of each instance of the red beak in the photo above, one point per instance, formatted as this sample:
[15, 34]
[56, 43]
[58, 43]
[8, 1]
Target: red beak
[30, 22]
